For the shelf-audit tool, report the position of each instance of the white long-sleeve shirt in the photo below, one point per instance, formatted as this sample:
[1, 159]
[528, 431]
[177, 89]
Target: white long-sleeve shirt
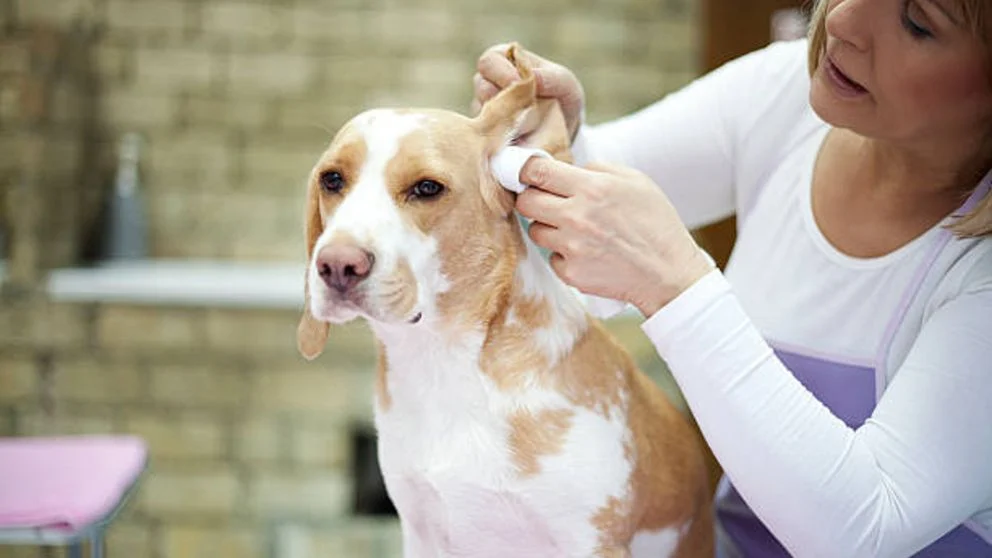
[743, 140]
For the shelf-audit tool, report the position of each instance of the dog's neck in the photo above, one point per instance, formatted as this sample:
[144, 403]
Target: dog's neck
[528, 320]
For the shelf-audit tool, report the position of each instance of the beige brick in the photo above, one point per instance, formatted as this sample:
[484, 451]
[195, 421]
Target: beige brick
[277, 249]
[261, 441]
[146, 15]
[319, 447]
[172, 242]
[259, 330]
[188, 436]
[281, 168]
[170, 206]
[305, 495]
[338, 26]
[198, 386]
[274, 72]
[590, 33]
[486, 30]
[674, 37]
[439, 82]
[215, 491]
[355, 540]
[23, 552]
[244, 19]
[130, 538]
[94, 380]
[204, 542]
[191, 159]
[436, 29]
[18, 379]
[10, 102]
[606, 83]
[295, 541]
[53, 11]
[68, 106]
[176, 67]
[66, 421]
[114, 61]
[148, 327]
[13, 57]
[319, 115]
[130, 108]
[231, 112]
[307, 390]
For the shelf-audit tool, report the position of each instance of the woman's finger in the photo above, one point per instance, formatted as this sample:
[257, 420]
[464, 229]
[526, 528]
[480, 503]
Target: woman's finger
[484, 89]
[497, 69]
[541, 206]
[546, 236]
[560, 265]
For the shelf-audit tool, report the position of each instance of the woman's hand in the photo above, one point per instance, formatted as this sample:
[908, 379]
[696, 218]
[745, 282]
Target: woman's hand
[612, 231]
[495, 71]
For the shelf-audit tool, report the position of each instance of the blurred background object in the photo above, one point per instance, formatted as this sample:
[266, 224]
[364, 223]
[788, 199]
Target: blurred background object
[254, 452]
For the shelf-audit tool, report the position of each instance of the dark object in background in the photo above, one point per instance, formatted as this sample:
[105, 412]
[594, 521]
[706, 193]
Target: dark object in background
[369, 497]
[125, 234]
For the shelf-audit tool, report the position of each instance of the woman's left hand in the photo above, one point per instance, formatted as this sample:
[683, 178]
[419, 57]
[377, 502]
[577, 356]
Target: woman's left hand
[612, 231]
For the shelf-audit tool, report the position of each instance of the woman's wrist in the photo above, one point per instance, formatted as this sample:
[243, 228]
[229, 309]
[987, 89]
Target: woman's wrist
[658, 295]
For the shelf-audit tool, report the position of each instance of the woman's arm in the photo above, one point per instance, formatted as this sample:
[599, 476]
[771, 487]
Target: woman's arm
[917, 468]
[700, 142]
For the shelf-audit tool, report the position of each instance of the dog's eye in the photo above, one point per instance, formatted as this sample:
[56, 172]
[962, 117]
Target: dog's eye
[427, 189]
[331, 181]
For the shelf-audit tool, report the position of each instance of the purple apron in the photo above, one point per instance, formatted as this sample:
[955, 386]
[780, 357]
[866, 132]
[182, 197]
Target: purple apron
[850, 391]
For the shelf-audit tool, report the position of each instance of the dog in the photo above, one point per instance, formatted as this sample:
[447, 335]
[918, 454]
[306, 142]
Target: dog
[510, 422]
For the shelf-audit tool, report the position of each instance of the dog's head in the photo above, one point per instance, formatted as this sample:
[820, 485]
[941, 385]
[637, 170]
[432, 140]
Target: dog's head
[405, 223]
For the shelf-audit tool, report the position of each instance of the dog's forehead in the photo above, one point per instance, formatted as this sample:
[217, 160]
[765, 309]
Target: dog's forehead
[382, 132]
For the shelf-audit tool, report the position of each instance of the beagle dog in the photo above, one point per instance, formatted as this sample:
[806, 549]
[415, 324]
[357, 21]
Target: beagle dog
[510, 422]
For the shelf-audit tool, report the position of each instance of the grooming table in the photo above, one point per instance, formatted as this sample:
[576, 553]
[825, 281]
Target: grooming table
[65, 491]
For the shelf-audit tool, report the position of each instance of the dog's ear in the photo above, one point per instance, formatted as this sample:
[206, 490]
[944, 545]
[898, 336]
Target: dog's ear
[516, 116]
[311, 335]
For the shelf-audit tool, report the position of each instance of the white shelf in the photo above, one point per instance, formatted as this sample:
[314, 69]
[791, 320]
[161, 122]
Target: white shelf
[182, 283]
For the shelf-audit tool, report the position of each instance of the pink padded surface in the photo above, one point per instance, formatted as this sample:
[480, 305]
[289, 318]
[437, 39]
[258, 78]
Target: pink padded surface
[65, 482]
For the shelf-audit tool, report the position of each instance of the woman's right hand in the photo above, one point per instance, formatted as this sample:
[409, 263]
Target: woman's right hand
[494, 71]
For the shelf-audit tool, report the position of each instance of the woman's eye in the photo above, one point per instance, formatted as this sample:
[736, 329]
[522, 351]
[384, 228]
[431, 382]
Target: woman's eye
[427, 189]
[331, 181]
[911, 25]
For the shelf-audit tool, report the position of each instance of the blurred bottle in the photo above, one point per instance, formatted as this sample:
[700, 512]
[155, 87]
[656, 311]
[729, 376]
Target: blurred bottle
[125, 236]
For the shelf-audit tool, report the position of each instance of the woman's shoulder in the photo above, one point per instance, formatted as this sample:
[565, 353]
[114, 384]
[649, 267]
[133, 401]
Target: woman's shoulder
[968, 271]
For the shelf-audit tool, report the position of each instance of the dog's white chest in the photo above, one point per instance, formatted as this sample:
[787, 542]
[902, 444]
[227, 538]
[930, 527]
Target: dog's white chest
[448, 464]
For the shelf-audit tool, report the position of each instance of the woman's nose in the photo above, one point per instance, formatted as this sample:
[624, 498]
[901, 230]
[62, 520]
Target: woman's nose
[850, 21]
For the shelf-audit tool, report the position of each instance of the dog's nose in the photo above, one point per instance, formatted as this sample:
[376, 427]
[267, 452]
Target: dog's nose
[344, 266]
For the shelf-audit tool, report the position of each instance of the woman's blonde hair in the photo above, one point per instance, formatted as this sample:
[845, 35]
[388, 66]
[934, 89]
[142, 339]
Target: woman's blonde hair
[978, 222]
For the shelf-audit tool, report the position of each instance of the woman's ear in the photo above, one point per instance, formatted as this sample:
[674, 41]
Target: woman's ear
[311, 335]
[516, 116]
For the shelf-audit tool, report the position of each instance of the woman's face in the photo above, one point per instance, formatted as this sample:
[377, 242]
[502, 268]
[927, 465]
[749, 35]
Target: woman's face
[903, 70]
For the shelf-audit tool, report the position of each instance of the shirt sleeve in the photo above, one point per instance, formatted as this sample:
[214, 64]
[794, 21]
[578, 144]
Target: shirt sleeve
[707, 143]
[917, 468]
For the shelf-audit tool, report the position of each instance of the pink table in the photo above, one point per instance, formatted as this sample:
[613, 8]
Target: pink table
[66, 490]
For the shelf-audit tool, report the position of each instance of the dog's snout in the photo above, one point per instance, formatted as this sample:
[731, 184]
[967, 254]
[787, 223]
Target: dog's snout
[344, 266]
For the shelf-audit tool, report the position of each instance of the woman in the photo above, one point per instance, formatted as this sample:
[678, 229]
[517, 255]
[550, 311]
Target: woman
[841, 367]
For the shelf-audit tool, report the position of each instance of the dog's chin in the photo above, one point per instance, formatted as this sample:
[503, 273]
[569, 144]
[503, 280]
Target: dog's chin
[343, 311]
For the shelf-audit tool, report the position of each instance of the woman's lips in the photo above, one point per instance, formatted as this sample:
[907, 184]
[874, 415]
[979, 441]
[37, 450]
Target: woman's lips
[843, 84]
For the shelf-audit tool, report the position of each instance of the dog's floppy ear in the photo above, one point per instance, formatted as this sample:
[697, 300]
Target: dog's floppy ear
[516, 116]
[311, 335]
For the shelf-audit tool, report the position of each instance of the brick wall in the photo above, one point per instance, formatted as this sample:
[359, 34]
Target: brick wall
[250, 445]
[237, 97]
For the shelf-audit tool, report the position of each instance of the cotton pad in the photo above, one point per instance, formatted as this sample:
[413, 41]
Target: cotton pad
[506, 167]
